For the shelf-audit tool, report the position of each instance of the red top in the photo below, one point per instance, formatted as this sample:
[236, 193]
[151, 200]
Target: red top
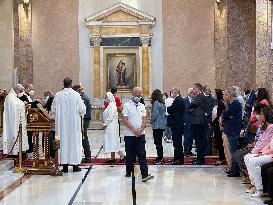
[117, 100]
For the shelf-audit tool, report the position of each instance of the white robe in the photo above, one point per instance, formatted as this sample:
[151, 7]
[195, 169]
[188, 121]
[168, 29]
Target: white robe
[14, 114]
[111, 141]
[68, 107]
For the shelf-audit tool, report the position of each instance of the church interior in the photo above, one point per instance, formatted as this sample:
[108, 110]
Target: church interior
[152, 45]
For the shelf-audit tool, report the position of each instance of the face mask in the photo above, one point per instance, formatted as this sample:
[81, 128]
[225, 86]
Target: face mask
[46, 98]
[137, 99]
[258, 117]
[20, 95]
[31, 92]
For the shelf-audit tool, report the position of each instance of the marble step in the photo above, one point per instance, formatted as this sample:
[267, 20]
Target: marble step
[6, 165]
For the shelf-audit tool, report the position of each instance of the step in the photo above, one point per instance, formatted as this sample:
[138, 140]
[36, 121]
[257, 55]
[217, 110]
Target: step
[6, 165]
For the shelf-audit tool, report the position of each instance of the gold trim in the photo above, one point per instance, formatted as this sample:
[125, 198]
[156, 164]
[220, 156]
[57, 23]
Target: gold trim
[121, 90]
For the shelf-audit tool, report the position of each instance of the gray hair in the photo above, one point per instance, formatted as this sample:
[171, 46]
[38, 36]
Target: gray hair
[18, 87]
[190, 90]
[237, 90]
[233, 91]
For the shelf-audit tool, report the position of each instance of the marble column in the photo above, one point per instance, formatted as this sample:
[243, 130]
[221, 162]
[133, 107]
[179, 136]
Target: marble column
[23, 57]
[96, 65]
[235, 43]
[145, 40]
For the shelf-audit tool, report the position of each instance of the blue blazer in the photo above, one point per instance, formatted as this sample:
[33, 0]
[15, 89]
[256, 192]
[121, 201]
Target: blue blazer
[186, 115]
[232, 118]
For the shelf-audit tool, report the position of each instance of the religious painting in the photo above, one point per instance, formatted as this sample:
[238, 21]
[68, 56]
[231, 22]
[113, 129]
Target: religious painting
[121, 71]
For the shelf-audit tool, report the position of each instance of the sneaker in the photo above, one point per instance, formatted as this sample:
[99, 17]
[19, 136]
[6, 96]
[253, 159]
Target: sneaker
[258, 194]
[158, 161]
[251, 191]
[128, 175]
[147, 178]
[76, 168]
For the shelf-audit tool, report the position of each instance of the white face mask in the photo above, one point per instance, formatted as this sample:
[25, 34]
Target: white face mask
[20, 95]
[31, 92]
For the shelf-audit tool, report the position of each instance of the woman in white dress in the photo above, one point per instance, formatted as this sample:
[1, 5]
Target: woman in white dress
[111, 141]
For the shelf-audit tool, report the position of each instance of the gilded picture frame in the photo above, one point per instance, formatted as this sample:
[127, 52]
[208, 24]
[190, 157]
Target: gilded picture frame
[121, 71]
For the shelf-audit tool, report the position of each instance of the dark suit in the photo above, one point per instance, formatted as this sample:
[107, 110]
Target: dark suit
[187, 127]
[198, 121]
[175, 121]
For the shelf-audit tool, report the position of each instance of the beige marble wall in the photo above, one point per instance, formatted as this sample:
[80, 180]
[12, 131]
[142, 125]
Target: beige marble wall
[6, 44]
[55, 43]
[188, 43]
[235, 43]
[264, 54]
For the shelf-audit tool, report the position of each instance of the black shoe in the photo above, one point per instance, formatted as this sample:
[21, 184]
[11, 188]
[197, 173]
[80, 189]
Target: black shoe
[147, 178]
[86, 160]
[76, 168]
[198, 163]
[158, 161]
[228, 171]
[231, 174]
[65, 168]
[128, 174]
[269, 201]
[110, 161]
[177, 162]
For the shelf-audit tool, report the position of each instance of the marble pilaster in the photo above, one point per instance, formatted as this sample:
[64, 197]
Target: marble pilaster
[145, 40]
[96, 61]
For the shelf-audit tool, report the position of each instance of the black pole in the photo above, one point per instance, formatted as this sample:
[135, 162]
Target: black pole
[134, 187]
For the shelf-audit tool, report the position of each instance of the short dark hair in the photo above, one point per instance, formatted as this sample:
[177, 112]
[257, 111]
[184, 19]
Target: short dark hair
[199, 86]
[67, 82]
[76, 88]
[114, 90]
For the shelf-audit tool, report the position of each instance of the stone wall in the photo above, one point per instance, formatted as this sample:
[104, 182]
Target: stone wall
[188, 43]
[6, 44]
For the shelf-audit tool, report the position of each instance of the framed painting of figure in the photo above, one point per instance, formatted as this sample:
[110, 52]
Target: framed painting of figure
[121, 71]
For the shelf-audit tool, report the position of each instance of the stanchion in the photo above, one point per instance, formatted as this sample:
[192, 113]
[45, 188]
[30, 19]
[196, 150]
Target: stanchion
[20, 169]
[134, 187]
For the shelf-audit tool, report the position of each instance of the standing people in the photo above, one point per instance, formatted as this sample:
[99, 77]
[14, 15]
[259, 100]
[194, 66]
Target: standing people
[209, 107]
[134, 118]
[232, 120]
[110, 124]
[86, 123]
[14, 114]
[188, 141]
[158, 121]
[168, 132]
[68, 108]
[217, 128]
[197, 111]
[175, 121]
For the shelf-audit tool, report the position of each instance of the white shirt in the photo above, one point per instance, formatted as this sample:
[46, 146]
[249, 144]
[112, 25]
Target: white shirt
[168, 103]
[134, 112]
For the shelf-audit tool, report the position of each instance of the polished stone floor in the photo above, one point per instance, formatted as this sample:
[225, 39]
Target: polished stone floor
[106, 185]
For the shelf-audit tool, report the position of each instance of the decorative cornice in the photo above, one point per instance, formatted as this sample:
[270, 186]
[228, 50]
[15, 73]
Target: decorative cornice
[120, 7]
[96, 41]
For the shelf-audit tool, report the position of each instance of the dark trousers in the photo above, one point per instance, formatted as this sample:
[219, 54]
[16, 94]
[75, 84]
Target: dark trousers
[158, 135]
[30, 143]
[198, 133]
[136, 146]
[267, 178]
[51, 141]
[85, 142]
[177, 133]
[238, 157]
[187, 138]
[219, 142]
[208, 132]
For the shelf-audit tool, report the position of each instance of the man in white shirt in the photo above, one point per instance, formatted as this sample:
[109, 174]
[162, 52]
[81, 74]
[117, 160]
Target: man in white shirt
[134, 118]
[68, 108]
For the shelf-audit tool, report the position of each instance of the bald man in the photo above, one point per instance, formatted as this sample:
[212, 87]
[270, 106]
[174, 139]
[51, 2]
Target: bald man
[176, 122]
[134, 119]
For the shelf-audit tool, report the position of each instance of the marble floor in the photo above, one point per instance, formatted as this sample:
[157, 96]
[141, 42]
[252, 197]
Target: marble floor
[106, 185]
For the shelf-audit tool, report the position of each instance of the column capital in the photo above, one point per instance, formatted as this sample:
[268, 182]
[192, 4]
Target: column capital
[145, 40]
[96, 40]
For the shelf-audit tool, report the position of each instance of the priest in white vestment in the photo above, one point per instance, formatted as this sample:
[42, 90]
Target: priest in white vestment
[68, 107]
[14, 115]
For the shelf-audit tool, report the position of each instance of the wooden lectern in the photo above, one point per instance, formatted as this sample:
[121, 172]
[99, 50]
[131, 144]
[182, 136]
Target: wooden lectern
[39, 121]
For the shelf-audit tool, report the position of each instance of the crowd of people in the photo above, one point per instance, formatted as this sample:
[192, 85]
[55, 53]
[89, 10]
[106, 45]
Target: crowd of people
[239, 120]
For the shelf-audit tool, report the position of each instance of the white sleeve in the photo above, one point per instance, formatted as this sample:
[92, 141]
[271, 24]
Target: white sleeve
[82, 107]
[111, 115]
[125, 110]
[143, 111]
